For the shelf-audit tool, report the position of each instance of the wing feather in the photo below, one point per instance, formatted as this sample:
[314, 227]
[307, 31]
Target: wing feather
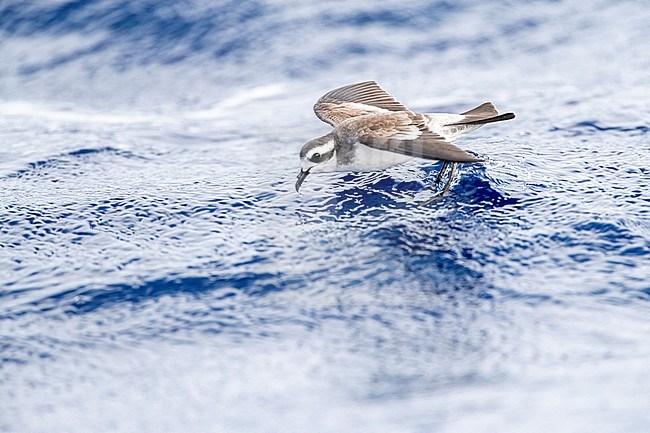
[427, 146]
[355, 100]
[401, 133]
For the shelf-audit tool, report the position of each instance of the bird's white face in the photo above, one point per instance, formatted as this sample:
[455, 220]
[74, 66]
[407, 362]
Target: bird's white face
[318, 158]
[318, 155]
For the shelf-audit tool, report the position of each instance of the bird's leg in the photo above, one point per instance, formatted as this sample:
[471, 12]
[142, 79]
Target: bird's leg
[452, 173]
[440, 194]
[442, 171]
[445, 164]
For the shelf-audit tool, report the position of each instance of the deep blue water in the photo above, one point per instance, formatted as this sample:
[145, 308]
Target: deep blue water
[158, 272]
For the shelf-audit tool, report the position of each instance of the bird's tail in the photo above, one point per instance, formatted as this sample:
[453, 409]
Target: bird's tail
[484, 113]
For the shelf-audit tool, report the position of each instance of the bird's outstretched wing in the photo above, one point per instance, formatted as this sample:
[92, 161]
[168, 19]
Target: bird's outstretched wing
[403, 133]
[355, 100]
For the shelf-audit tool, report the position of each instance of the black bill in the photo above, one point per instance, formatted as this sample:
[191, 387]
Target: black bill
[301, 179]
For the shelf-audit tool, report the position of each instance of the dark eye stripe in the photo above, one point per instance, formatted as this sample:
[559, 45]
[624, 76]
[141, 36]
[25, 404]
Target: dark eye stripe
[317, 157]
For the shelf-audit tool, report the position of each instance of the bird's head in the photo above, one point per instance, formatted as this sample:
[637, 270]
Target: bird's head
[317, 155]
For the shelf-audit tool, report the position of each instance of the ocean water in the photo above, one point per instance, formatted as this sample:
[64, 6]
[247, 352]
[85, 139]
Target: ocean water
[158, 272]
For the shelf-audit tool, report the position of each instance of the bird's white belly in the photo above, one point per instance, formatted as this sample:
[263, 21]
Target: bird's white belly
[365, 158]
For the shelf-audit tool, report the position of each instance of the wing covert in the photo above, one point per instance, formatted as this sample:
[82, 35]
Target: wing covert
[355, 100]
[402, 133]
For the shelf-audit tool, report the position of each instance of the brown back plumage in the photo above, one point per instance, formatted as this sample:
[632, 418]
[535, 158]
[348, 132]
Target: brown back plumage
[401, 132]
[365, 113]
